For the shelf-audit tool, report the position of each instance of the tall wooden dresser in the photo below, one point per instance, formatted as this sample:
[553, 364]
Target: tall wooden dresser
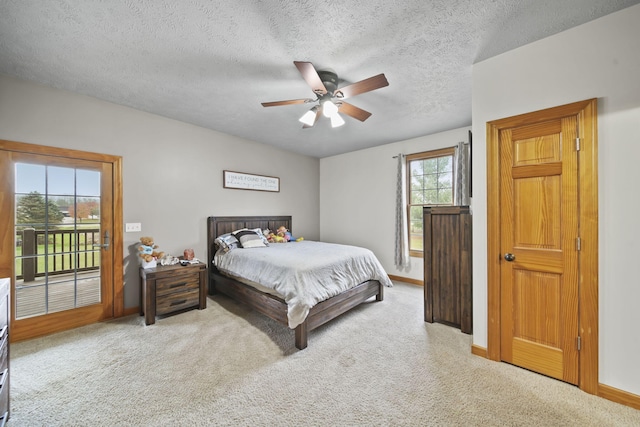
[447, 266]
[5, 316]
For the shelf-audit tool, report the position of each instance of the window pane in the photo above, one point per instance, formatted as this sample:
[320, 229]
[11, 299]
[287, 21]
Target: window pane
[415, 228]
[88, 182]
[416, 167]
[87, 210]
[445, 180]
[417, 182]
[30, 178]
[430, 183]
[445, 164]
[430, 197]
[430, 166]
[415, 214]
[445, 196]
[416, 197]
[61, 181]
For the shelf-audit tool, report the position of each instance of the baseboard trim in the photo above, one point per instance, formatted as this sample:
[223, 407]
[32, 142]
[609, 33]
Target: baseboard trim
[406, 280]
[619, 396]
[604, 391]
[478, 351]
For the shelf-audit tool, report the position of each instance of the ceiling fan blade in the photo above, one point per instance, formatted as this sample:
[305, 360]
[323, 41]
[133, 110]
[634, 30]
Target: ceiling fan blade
[318, 112]
[289, 102]
[310, 75]
[353, 111]
[366, 85]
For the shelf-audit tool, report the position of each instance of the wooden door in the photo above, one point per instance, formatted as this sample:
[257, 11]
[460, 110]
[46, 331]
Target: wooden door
[60, 242]
[539, 232]
[542, 241]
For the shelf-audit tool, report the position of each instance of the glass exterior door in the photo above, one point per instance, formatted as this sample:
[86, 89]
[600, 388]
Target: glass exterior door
[56, 241]
[58, 238]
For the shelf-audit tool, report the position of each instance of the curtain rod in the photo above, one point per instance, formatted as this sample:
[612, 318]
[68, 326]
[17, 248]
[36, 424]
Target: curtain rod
[464, 143]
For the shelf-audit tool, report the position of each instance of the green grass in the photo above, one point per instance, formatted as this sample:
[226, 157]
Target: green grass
[55, 255]
[416, 242]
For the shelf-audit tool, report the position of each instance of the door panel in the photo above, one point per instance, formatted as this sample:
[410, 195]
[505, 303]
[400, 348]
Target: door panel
[542, 274]
[62, 271]
[539, 300]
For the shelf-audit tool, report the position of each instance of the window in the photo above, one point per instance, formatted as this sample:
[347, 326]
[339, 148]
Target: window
[430, 182]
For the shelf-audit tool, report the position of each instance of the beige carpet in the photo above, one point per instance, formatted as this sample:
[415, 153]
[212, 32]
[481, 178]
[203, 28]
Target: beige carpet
[378, 365]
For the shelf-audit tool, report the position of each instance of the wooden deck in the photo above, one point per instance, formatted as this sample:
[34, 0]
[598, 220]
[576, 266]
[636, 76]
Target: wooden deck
[59, 293]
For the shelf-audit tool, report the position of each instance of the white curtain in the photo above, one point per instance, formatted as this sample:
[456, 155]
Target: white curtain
[402, 258]
[461, 175]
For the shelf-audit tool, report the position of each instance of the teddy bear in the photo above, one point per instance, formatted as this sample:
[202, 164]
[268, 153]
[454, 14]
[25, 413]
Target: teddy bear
[148, 249]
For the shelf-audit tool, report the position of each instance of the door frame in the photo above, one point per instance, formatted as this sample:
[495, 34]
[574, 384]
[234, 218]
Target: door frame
[117, 238]
[588, 229]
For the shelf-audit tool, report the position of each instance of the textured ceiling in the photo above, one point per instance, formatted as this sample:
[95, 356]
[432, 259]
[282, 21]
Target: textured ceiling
[212, 63]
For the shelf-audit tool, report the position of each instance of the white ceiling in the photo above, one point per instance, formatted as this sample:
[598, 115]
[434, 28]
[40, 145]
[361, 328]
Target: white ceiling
[212, 63]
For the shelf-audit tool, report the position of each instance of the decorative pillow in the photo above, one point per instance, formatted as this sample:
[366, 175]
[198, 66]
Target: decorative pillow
[262, 235]
[226, 242]
[249, 239]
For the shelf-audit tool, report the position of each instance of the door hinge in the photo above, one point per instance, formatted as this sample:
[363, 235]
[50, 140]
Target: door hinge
[578, 243]
[579, 342]
[577, 144]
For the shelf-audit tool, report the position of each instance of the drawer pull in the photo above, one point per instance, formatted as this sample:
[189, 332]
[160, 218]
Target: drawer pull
[177, 302]
[3, 331]
[177, 285]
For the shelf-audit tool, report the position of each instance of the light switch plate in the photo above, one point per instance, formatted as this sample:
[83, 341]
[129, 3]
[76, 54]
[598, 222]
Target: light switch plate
[132, 227]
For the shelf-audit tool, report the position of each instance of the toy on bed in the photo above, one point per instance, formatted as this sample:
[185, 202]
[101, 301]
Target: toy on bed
[148, 251]
[273, 237]
[286, 235]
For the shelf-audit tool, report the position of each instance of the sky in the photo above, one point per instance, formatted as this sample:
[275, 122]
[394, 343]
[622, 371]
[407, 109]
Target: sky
[57, 181]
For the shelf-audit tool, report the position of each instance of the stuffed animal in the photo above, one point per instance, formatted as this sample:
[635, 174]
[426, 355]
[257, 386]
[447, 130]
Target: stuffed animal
[272, 237]
[286, 235]
[148, 249]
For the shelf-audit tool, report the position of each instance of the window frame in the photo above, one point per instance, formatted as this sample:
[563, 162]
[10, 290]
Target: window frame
[442, 152]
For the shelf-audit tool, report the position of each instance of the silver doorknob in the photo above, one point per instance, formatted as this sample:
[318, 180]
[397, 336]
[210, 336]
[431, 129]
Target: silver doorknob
[509, 257]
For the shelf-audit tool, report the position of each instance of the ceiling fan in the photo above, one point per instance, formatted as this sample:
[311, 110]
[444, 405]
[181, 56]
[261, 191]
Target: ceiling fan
[324, 84]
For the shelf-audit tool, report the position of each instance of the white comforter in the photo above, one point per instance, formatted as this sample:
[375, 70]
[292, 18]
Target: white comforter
[303, 273]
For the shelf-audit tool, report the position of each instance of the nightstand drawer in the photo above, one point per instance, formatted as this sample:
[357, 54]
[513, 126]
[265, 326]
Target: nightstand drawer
[178, 301]
[183, 282]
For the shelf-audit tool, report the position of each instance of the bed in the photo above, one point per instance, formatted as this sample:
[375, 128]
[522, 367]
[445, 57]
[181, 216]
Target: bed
[274, 305]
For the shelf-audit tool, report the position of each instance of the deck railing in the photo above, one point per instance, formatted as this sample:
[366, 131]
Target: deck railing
[56, 252]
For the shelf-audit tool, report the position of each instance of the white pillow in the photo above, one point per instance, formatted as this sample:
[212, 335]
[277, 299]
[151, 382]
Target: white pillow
[249, 239]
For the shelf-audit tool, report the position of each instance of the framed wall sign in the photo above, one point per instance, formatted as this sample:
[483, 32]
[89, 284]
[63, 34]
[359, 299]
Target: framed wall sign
[248, 181]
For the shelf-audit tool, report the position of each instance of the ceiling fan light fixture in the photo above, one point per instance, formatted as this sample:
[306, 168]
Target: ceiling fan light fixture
[309, 118]
[329, 109]
[336, 120]
[324, 84]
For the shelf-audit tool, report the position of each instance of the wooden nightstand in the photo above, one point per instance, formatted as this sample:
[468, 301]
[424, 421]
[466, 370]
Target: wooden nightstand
[169, 289]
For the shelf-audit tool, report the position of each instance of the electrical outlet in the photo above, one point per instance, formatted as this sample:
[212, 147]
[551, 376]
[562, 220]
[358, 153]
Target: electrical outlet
[132, 227]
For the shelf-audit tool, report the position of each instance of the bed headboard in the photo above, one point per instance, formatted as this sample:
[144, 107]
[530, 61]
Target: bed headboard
[217, 225]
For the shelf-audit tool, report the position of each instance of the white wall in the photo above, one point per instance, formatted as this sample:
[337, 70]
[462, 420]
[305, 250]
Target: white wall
[600, 60]
[358, 196]
[172, 171]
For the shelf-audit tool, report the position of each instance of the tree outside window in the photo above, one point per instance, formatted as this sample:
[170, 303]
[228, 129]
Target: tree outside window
[34, 211]
[430, 182]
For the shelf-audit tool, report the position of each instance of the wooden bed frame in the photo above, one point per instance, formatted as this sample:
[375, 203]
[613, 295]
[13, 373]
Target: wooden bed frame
[270, 305]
